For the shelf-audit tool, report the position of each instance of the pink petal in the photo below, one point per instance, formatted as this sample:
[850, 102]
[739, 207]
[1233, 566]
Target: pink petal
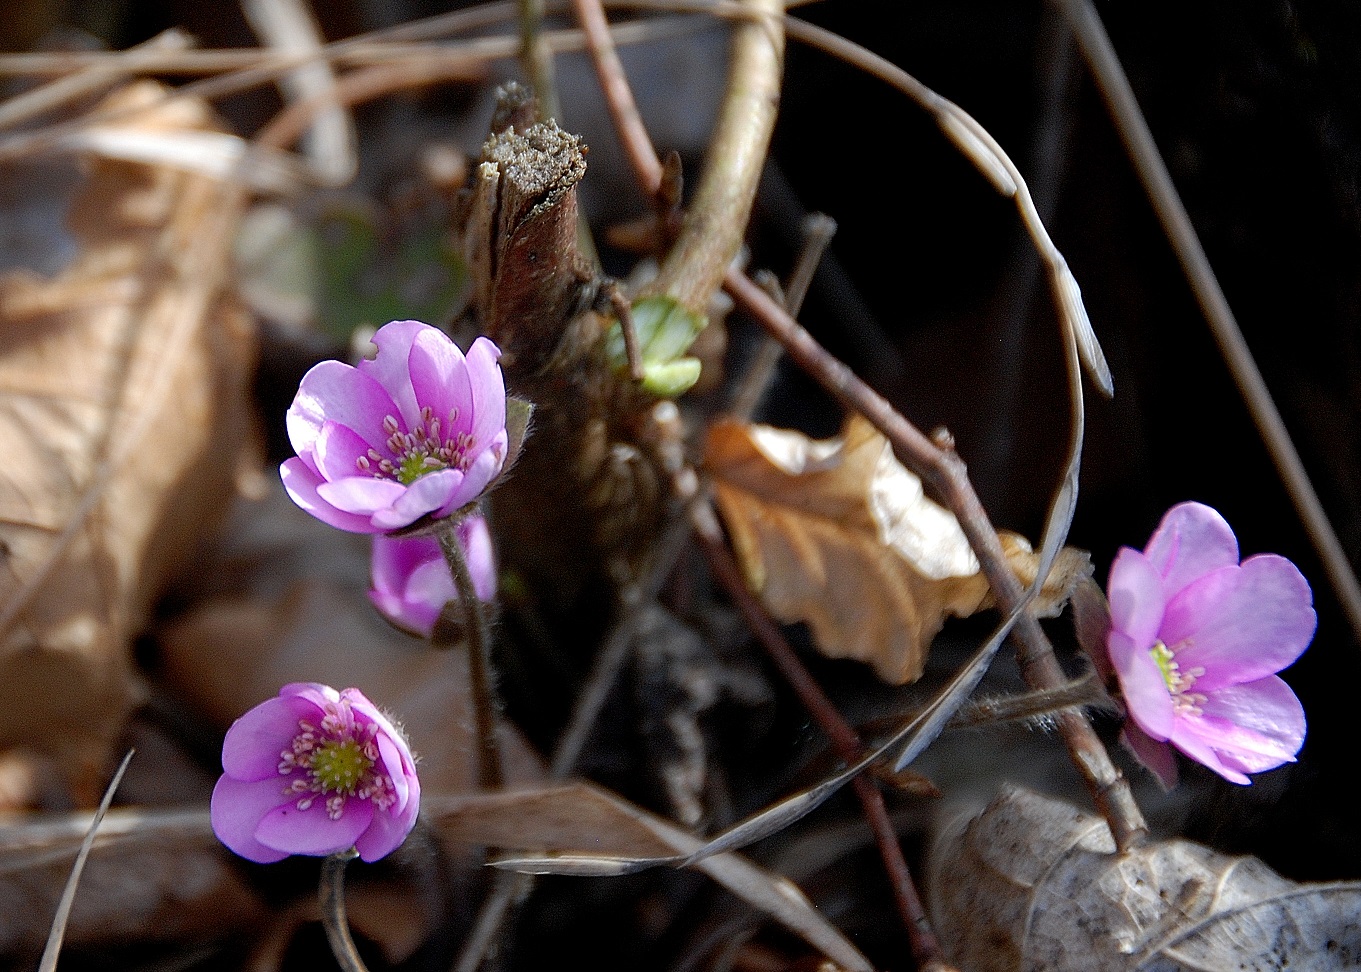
[1143, 686]
[1235, 745]
[1193, 745]
[392, 369]
[254, 743]
[488, 391]
[1154, 756]
[439, 375]
[1135, 590]
[236, 810]
[312, 831]
[426, 495]
[387, 831]
[334, 392]
[1241, 623]
[301, 484]
[475, 538]
[1267, 708]
[1192, 540]
[391, 759]
[315, 692]
[362, 495]
[394, 560]
[475, 480]
[336, 451]
[428, 590]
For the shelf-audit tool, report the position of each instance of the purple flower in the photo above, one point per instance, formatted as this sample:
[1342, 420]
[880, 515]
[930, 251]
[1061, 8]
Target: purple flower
[419, 429]
[412, 583]
[1196, 639]
[315, 771]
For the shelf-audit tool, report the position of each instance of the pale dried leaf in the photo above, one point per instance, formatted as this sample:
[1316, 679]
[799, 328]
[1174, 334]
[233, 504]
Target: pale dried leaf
[838, 534]
[124, 413]
[1033, 883]
[581, 821]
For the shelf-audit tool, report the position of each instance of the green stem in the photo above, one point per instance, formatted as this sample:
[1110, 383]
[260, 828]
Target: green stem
[331, 892]
[479, 657]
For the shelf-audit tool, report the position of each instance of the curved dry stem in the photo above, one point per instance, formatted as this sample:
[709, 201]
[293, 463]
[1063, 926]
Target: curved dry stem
[331, 894]
[52, 950]
[716, 221]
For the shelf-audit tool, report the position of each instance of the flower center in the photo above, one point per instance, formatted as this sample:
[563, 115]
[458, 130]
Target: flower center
[421, 451]
[337, 760]
[1178, 682]
[339, 766]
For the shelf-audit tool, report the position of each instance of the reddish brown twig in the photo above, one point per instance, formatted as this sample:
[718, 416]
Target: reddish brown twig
[845, 741]
[945, 472]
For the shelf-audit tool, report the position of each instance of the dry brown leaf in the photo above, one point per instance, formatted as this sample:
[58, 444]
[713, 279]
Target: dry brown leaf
[124, 412]
[1033, 883]
[577, 817]
[838, 534]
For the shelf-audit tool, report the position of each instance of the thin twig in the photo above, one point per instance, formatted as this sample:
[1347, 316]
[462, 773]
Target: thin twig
[614, 296]
[628, 123]
[536, 57]
[1162, 193]
[818, 230]
[52, 950]
[91, 79]
[331, 144]
[847, 744]
[716, 221]
[331, 895]
[489, 769]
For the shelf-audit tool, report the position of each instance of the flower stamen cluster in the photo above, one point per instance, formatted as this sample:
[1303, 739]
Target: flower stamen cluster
[419, 451]
[336, 759]
[1178, 682]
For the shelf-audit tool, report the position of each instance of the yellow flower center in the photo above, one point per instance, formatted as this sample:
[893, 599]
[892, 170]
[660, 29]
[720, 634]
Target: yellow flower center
[1178, 682]
[338, 767]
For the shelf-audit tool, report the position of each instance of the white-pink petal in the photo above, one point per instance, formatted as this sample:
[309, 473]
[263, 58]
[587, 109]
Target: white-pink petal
[1241, 623]
[1135, 591]
[302, 483]
[1143, 686]
[1192, 540]
[391, 367]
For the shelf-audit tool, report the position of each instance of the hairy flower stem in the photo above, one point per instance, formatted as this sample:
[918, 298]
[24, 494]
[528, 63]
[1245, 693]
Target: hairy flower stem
[331, 893]
[485, 706]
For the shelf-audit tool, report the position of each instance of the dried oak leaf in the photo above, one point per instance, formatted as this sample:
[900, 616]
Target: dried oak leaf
[838, 534]
[124, 412]
[1033, 883]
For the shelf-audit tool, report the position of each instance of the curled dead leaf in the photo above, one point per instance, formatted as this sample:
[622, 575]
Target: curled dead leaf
[1033, 883]
[123, 414]
[838, 534]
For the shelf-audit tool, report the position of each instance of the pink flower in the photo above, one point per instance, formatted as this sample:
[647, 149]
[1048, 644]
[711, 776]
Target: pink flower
[418, 430]
[412, 583]
[1196, 639]
[315, 771]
